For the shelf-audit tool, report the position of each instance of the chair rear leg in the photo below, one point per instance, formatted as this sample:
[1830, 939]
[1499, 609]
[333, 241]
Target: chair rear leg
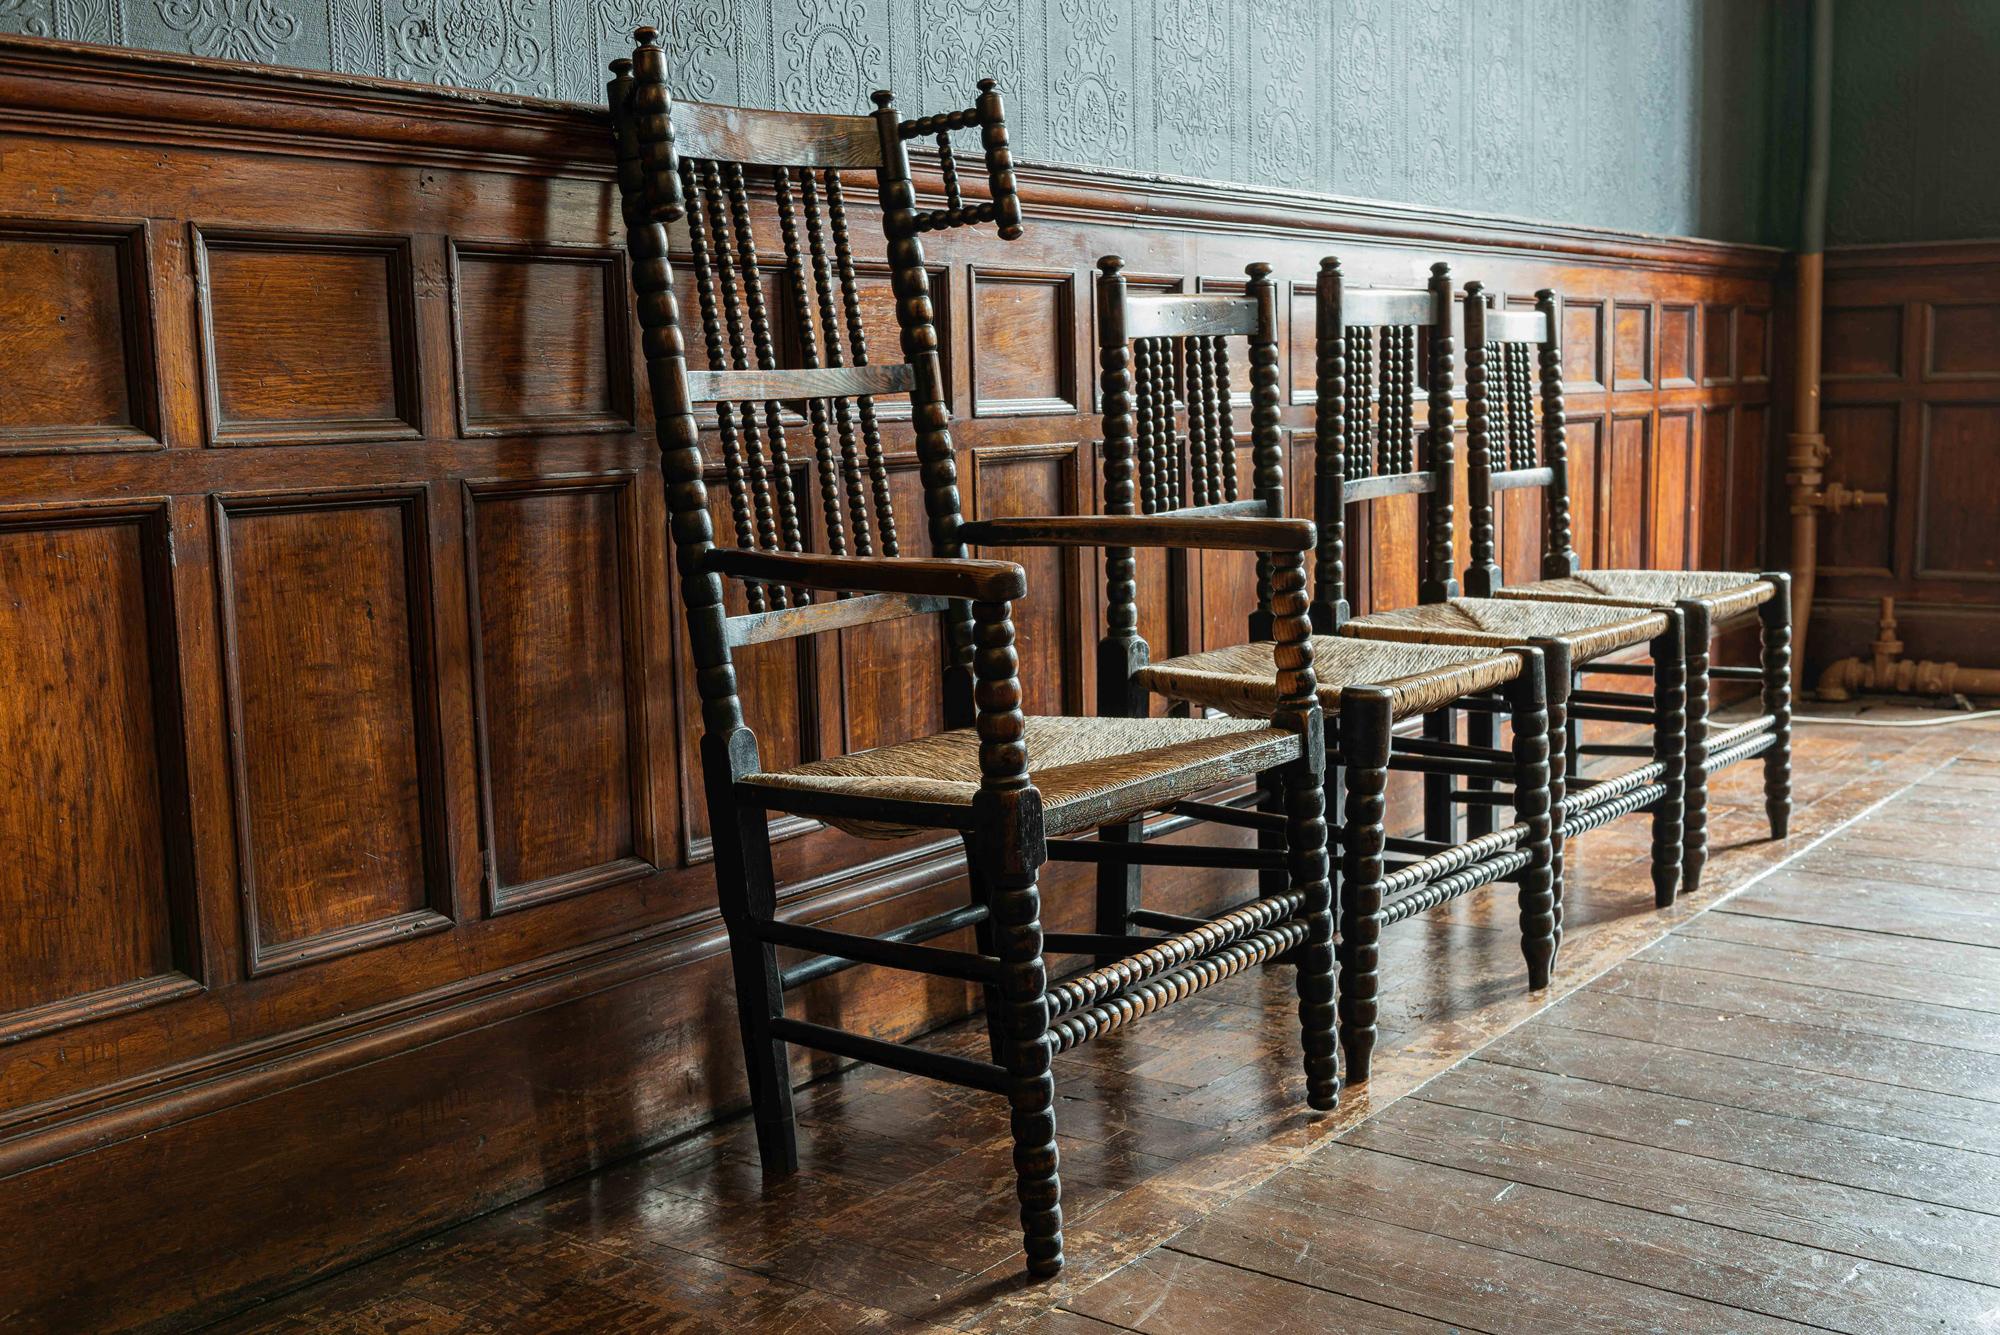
[1482, 728]
[1535, 886]
[982, 936]
[1365, 720]
[1118, 886]
[1308, 872]
[1440, 816]
[748, 893]
[1776, 617]
[1670, 750]
[1697, 626]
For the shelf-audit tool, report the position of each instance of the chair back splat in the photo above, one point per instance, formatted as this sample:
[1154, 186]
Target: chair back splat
[1367, 445]
[697, 165]
[1512, 359]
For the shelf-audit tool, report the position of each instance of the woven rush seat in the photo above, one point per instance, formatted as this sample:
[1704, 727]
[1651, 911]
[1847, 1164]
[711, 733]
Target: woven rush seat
[1728, 593]
[1421, 677]
[1589, 629]
[1089, 771]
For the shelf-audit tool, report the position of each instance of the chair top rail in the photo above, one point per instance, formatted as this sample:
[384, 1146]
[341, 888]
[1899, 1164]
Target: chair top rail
[826, 382]
[775, 138]
[1367, 306]
[1181, 315]
[1514, 326]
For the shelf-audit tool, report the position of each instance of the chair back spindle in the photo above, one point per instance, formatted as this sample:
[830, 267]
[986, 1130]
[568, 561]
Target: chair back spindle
[1515, 429]
[1378, 348]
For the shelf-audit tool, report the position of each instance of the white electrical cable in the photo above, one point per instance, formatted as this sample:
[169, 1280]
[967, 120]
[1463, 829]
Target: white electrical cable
[1938, 722]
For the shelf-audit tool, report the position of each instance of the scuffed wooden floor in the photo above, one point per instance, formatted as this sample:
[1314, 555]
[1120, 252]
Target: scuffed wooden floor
[1776, 1112]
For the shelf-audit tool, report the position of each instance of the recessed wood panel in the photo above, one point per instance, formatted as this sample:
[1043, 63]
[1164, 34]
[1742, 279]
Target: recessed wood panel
[334, 732]
[1718, 344]
[1227, 581]
[1667, 524]
[1744, 549]
[1632, 346]
[1960, 495]
[540, 342]
[1304, 333]
[1863, 343]
[558, 682]
[1024, 325]
[1587, 480]
[75, 339]
[1583, 346]
[1677, 347]
[1013, 480]
[307, 339]
[1627, 468]
[95, 900]
[1962, 341]
[890, 672]
[1709, 512]
[1753, 344]
[1861, 439]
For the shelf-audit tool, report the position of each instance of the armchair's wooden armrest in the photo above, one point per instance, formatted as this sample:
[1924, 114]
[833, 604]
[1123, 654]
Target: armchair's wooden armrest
[987, 581]
[1245, 533]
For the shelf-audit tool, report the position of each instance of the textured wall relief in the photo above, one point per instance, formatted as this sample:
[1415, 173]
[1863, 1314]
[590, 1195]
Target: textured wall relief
[1571, 110]
[1090, 116]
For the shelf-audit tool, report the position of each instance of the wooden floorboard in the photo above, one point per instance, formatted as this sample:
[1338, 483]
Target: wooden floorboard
[1773, 1106]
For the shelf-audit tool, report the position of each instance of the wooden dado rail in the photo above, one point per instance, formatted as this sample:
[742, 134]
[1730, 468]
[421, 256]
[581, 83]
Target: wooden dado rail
[353, 875]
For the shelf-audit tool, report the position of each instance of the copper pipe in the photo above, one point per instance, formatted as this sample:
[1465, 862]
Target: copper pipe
[1889, 672]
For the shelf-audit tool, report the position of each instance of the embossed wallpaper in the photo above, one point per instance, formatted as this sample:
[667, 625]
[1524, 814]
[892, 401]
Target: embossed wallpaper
[1649, 115]
[1916, 106]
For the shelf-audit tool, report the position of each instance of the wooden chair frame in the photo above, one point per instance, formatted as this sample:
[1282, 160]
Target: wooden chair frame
[1351, 322]
[1500, 407]
[1155, 349]
[688, 162]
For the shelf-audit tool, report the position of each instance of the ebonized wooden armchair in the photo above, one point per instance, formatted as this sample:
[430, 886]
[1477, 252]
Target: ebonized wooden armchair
[1163, 362]
[1503, 399]
[1012, 788]
[1369, 340]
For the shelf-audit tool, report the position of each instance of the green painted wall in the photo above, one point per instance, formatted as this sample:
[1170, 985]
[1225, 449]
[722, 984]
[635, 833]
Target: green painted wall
[1649, 115]
[1916, 121]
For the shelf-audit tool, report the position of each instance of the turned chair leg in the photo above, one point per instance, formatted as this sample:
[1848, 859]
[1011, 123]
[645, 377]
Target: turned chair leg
[1670, 750]
[1013, 851]
[1776, 617]
[1308, 874]
[1557, 674]
[1365, 721]
[1698, 628]
[1535, 887]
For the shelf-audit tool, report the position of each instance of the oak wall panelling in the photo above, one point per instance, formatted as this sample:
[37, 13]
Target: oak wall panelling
[1912, 408]
[366, 885]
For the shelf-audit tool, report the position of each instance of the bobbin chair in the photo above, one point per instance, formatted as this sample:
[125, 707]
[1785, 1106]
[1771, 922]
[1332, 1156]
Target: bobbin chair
[1367, 450]
[1160, 351]
[1503, 399]
[1012, 788]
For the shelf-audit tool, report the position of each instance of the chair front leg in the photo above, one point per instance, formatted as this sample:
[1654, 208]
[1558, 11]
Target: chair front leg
[1557, 673]
[1776, 620]
[1010, 844]
[1534, 883]
[1365, 721]
[1670, 750]
[1698, 627]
